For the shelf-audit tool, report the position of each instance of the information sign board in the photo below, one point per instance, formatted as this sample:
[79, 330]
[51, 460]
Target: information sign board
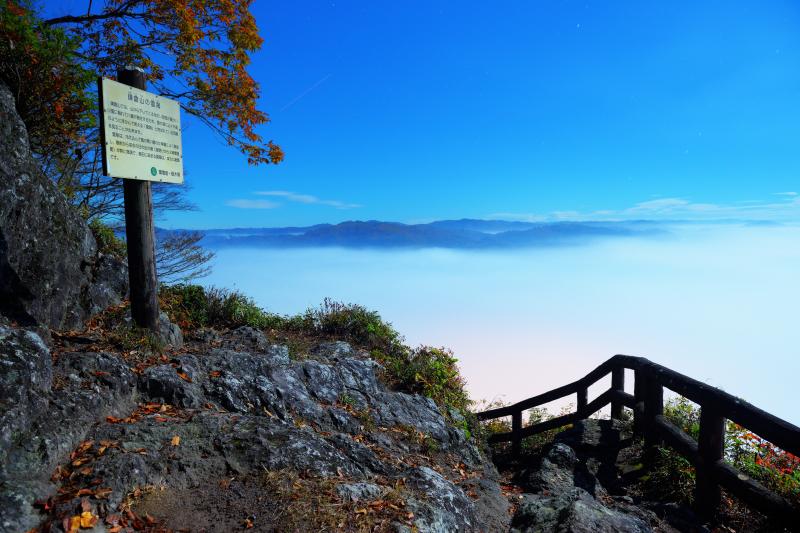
[141, 134]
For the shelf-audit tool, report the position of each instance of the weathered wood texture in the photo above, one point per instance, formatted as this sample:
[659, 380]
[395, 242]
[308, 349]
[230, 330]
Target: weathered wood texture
[617, 385]
[140, 236]
[647, 402]
[710, 448]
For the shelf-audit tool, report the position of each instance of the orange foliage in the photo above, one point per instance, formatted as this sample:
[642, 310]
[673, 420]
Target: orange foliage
[196, 51]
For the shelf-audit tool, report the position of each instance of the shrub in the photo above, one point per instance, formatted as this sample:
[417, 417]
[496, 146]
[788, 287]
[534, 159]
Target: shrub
[186, 305]
[684, 414]
[233, 309]
[192, 306]
[429, 371]
[671, 477]
[354, 323]
[774, 468]
[117, 332]
[107, 241]
[535, 443]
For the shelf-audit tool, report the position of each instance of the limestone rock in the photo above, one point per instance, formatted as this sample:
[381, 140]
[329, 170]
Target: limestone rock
[235, 413]
[50, 271]
[46, 410]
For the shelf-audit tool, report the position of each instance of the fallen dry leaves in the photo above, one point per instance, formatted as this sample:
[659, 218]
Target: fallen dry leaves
[386, 508]
[88, 520]
[77, 478]
[160, 412]
[85, 520]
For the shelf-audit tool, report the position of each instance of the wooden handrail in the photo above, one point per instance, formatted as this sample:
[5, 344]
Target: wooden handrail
[647, 404]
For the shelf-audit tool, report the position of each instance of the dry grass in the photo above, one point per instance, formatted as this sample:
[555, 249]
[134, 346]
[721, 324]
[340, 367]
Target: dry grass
[313, 504]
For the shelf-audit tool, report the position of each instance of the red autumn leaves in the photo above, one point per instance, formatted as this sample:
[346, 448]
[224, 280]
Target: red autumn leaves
[78, 480]
[163, 413]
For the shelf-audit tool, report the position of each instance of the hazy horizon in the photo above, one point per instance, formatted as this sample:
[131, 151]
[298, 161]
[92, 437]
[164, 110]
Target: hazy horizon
[710, 301]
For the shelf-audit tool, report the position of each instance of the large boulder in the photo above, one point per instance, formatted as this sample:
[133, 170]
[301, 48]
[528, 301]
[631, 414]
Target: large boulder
[50, 271]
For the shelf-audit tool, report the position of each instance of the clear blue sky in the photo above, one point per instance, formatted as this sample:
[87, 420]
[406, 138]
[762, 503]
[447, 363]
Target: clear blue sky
[422, 110]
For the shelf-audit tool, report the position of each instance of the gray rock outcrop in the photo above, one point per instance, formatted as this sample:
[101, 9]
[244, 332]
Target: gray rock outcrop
[87, 425]
[50, 272]
[574, 486]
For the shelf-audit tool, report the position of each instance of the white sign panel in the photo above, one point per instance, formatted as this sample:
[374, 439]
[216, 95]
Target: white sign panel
[141, 134]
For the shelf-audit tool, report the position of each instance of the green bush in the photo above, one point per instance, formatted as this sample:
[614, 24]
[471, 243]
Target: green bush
[684, 414]
[749, 453]
[192, 306]
[233, 309]
[353, 323]
[536, 415]
[186, 305]
[429, 371]
[107, 241]
[671, 477]
[776, 469]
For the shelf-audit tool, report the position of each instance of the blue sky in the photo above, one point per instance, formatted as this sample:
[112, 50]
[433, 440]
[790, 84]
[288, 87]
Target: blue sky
[415, 111]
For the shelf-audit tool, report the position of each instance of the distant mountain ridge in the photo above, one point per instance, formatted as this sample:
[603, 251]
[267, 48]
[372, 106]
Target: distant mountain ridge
[456, 234]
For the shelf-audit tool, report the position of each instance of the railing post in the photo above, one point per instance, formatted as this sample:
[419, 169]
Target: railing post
[516, 429]
[710, 448]
[617, 385]
[653, 407]
[639, 385]
[583, 401]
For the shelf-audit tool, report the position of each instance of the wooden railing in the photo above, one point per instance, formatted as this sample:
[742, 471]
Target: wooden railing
[647, 403]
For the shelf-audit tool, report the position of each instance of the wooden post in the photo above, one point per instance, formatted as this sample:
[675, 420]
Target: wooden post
[638, 406]
[140, 236]
[653, 407]
[583, 401]
[618, 385]
[516, 428]
[710, 448]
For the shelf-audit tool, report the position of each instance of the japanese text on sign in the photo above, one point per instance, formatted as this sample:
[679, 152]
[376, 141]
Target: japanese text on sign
[142, 134]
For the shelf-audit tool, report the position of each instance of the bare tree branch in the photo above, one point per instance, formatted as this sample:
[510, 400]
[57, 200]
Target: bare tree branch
[180, 258]
[121, 11]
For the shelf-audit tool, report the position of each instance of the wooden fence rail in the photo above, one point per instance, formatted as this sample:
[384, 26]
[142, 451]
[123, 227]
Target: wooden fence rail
[647, 403]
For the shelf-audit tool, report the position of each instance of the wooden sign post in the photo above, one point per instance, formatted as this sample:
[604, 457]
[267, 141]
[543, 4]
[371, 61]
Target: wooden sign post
[141, 140]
